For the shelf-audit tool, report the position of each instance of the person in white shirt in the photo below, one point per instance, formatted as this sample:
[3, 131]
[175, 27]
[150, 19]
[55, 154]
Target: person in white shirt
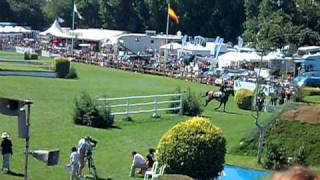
[74, 163]
[84, 146]
[138, 162]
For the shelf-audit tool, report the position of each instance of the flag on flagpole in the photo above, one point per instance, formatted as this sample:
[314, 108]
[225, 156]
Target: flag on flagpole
[75, 10]
[60, 20]
[173, 15]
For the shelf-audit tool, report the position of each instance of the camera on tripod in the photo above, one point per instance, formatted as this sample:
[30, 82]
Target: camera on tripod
[92, 144]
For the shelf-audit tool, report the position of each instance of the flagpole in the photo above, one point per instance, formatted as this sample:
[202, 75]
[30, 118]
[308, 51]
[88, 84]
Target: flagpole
[167, 33]
[72, 43]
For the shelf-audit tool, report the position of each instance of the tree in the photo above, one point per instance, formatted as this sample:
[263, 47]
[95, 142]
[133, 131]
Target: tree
[28, 13]
[89, 10]
[277, 23]
[59, 8]
[6, 12]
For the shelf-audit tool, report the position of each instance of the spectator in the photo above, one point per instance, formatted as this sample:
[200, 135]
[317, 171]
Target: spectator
[138, 162]
[6, 150]
[296, 173]
[74, 163]
[151, 157]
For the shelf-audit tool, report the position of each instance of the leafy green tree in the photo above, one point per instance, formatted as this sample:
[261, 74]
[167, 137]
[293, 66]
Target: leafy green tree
[6, 11]
[59, 8]
[89, 10]
[28, 13]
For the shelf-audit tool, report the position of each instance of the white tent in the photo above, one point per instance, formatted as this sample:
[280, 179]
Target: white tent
[171, 46]
[54, 30]
[14, 29]
[230, 58]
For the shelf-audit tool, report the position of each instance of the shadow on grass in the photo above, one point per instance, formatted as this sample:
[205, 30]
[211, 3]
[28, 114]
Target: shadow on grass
[12, 173]
[228, 112]
[98, 178]
[114, 127]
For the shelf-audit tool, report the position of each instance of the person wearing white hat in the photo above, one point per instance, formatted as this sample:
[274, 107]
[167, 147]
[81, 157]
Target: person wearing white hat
[6, 150]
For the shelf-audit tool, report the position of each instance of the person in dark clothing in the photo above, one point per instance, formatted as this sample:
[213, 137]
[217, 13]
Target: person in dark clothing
[222, 89]
[151, 157]
[6, 150]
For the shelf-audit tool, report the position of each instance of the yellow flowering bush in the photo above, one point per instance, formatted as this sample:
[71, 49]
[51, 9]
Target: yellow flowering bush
[194, 147]
[244, 98]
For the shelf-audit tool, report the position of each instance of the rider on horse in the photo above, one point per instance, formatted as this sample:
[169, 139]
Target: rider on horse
[222, 89]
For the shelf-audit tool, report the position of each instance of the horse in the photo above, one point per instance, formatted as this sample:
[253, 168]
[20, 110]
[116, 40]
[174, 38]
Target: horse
[222, 98]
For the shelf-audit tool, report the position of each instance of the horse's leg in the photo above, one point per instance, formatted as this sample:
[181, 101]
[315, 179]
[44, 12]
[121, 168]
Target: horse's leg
[218, 106]
[207, 101]
[224, 106]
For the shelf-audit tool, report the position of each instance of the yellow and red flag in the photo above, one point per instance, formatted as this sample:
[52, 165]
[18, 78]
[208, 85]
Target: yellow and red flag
[173, 15]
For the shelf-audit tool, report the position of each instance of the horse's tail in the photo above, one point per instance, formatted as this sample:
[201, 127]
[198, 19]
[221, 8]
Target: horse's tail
[206, 94]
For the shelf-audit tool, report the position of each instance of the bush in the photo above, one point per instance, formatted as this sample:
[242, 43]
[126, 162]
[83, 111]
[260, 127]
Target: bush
[62, 67]
[276, 157]
[244, 99]
[300, 157]
[28, 56]
[72, 74]
[298, 94]
[87, 113]
[33, 56]
[175, 104]
[195, 148]
[310, 91]
[190, 104]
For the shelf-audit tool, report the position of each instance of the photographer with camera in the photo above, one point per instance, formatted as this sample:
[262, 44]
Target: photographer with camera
[86, 146]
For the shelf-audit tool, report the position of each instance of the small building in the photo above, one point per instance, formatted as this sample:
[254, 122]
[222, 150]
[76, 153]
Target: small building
[147, 42]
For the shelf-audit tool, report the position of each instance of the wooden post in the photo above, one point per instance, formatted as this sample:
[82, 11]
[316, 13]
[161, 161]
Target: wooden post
[127, 109]
[181, 104]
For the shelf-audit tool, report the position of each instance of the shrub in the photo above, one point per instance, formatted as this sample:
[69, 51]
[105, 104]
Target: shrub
[26, 56]
[33, 56]
[88, 114]
[190, 104]
[310, 91]
[298, 94]
[175, 104]
[62, 67]
[72, 74]
[276, 157]
[195, 148]
[244, 99]
[301, 157]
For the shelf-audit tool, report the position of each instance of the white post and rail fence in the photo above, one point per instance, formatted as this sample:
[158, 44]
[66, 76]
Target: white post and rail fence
[142, 104]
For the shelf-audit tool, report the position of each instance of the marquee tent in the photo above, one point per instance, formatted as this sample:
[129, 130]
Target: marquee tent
[230, 58]
[54, 30]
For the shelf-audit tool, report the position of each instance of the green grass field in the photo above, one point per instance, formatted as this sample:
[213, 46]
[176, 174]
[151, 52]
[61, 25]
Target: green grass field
[14, 61]
[52, 126]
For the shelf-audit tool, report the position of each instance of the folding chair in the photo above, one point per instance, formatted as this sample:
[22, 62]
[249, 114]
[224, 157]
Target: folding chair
[152, 172]
[155, 176]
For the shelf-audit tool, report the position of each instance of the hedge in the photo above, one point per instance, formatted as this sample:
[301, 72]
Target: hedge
[29, 56]
[62, 67]
[244, 99]
[195, 148]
